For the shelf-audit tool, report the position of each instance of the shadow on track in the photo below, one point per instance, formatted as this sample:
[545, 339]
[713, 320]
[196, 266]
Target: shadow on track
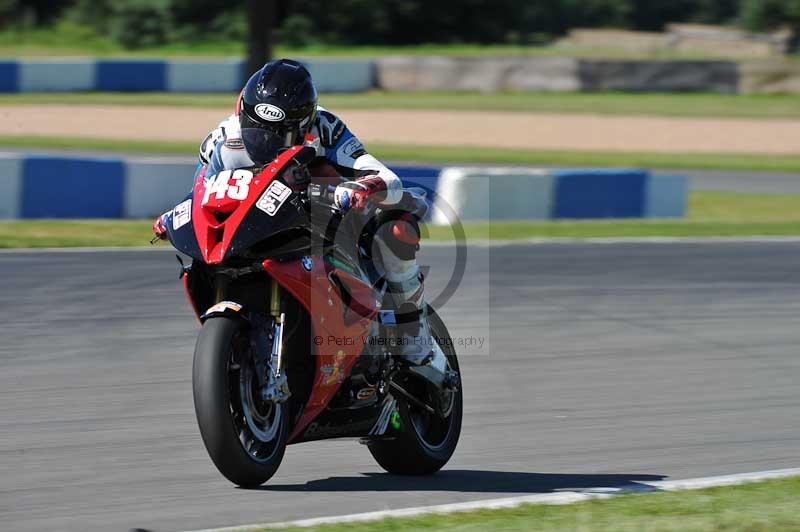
[468, 481]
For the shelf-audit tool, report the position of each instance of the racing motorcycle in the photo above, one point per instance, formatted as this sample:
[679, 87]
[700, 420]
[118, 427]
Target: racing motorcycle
[295, 342]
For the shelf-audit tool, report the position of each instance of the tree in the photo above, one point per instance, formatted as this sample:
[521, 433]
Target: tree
[767, 15]
[261, 18]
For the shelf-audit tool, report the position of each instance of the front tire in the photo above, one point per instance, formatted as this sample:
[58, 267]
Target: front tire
[415, 450]
[245, 437]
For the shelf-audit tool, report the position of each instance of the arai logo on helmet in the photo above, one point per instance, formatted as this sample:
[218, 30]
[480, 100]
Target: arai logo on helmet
[270, 112]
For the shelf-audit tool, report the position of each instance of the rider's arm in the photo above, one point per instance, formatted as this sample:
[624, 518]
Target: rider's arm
[209, 144]
[223, 148]
[348, 155]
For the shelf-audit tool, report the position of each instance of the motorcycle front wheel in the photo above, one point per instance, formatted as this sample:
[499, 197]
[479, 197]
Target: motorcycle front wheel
[244, 435]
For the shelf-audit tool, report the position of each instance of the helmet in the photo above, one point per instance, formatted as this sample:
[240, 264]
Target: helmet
[276, 109]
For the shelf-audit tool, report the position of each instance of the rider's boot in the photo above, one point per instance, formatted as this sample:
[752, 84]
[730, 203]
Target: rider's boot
[415, 345]
[407, 318]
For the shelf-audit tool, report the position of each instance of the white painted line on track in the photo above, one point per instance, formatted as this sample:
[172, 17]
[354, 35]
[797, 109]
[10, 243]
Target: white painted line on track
[482, 243]
[562, 497]
[623, 240]
[108, 249]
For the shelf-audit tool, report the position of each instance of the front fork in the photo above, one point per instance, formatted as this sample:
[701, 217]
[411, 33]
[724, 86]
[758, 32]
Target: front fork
[277, 386]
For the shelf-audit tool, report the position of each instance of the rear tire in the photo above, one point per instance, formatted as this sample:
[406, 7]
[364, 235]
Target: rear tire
[409, 453]
[225, 414]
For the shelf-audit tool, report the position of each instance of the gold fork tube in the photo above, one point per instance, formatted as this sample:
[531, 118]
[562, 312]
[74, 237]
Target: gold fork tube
[275, 301]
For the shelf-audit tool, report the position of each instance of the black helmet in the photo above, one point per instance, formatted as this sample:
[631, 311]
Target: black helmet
[277, 108]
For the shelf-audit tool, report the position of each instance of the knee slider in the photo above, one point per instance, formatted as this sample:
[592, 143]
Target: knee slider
[402, 235]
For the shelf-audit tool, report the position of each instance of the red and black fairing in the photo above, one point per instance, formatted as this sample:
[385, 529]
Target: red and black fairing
[223, 228]
[227, 235]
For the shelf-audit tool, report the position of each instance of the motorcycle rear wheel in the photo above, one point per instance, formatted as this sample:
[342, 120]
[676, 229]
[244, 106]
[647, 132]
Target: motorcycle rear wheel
[244, 436]
[421, 446]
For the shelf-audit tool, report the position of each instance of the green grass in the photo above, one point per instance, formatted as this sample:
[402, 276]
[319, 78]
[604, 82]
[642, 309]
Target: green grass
[780, 106]
[69, 39]
[453, 154]
[74, 233]
[758, 507]
[710, 214]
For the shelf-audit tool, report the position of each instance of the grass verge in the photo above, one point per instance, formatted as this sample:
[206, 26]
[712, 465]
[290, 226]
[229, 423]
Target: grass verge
[761, 506]
[454, 154]
[781, 106]
[710, 214]
[66, 38]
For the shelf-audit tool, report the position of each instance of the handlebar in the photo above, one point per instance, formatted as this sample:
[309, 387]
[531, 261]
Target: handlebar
[321, 193]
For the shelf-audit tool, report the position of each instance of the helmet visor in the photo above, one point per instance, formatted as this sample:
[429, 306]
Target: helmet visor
[263, 145]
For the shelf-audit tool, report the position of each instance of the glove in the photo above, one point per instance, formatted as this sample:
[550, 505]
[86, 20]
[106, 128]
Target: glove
[159, 229]
[359, 193]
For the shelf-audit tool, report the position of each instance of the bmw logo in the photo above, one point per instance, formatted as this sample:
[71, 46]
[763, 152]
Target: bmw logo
[308, 263]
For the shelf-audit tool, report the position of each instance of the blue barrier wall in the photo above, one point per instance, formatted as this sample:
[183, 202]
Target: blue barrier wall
[122, 75]
[9, 76]
[606, 193]
[426, 177]
[61, 187]
[136, 75]
[66, 187]
[338, 74]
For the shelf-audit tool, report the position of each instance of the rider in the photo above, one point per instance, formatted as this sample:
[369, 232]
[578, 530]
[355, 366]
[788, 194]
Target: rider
[278, 109]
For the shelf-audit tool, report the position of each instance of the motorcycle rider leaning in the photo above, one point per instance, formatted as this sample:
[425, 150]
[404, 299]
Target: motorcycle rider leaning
[277, 109]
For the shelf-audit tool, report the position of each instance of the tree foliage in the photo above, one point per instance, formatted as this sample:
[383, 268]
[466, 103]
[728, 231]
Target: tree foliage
[137, 23]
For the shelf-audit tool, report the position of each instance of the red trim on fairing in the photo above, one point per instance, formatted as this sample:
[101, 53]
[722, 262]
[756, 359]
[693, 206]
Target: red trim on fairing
[214, 237]
[342, 330]
[192, 302]
[239, 103]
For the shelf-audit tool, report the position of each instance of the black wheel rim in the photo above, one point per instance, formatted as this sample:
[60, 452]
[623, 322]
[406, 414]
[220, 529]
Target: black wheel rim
[257, 422]
[433, 429]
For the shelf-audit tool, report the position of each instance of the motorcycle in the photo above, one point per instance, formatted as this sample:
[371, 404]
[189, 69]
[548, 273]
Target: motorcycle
[295, 342]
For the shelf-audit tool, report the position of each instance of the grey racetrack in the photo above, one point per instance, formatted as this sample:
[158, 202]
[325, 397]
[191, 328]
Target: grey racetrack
[609, 363]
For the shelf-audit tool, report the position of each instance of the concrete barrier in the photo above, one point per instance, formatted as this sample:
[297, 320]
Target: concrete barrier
[155, 186]
[137, 75]
[529, 194]
[10, 186]
[493, 194]
[770, 77]
[659, 76]
[342, 75]
[406, 73]
[37, 186]
[55, 75]
[204, 76]
[488, 74]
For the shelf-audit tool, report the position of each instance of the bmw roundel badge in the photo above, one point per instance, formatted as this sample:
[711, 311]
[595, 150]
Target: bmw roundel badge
[308, 263]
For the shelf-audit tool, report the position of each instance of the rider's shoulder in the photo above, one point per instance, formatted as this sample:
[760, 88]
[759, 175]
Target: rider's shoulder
[231, 126]
[330, 127]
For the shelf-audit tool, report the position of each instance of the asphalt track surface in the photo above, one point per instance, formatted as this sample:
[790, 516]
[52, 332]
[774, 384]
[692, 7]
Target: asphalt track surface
[610, 363]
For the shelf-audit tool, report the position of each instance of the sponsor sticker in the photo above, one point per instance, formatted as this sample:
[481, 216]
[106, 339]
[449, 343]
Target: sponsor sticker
[182, 215]
[270, 112]
[274, 197]
[365, 393]
[335, 373]
[234, 144]
[222, 306]
[352, 146]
